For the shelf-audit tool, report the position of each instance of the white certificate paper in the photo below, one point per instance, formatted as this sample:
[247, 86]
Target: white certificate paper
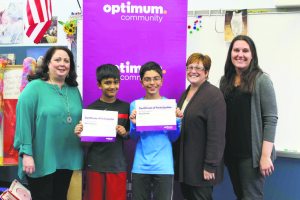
[99, 125]
[155, 115]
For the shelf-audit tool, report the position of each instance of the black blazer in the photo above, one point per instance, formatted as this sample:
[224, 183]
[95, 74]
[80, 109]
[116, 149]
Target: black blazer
[202, 139]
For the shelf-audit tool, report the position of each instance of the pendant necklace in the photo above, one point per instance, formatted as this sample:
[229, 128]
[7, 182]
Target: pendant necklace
[66, 101]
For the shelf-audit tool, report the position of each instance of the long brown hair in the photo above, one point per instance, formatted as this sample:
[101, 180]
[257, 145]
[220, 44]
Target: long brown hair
[247, 77]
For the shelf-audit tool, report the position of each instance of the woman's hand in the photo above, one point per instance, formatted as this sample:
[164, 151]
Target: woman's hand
[266, 166]
[121, 130]
[132, 117]
[28, 164]
[208, 176]
[78, 128]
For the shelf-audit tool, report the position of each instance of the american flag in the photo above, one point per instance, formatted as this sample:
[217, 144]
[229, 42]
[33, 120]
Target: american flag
[39, 14]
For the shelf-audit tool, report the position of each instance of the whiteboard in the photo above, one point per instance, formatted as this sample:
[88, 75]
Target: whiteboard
[229, 4]
[277, 39]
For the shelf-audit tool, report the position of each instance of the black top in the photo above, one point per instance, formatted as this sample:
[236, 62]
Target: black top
[109, 156]
[238, 129]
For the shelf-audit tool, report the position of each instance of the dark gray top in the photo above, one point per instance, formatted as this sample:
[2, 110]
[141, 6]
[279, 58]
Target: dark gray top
[263, 116]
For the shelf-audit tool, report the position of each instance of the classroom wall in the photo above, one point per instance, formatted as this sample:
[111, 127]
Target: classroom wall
[277, 42]
[282, 185]
[285, 181]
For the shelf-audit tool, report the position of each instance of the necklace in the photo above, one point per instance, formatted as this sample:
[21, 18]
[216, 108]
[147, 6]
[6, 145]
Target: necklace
[237, 81]
[66, 101]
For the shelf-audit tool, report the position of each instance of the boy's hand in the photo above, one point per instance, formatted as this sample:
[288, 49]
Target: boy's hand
[208, 175]
[132, 117]
[179, 113]
[78, 129]
[121, 130]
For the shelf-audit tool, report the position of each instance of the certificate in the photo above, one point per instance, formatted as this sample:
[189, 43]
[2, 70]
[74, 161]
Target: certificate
[155, 115]
[99, 125]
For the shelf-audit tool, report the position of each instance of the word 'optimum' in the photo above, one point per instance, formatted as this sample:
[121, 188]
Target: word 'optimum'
[131, 12]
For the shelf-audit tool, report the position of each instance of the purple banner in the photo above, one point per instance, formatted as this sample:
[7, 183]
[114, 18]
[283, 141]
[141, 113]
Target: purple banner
[129, 34]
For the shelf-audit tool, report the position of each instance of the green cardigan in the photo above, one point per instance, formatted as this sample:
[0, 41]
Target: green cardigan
[263, 116]
[42, 130]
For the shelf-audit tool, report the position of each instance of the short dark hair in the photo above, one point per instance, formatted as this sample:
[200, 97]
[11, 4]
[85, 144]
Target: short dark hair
[148, 66]
[107, 71]
[42, 72]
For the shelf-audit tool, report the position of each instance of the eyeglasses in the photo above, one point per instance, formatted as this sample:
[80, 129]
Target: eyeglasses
[154, 79]
[196, 68]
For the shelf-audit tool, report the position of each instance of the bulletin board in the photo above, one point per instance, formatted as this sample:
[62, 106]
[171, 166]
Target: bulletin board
[12, 75]
[277, 37]
[11, 91]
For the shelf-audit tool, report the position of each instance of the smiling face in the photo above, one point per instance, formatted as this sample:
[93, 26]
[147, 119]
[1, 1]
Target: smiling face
[196, 73]
[152, 82]
[59, 65]
[241, 55]
[109, 87]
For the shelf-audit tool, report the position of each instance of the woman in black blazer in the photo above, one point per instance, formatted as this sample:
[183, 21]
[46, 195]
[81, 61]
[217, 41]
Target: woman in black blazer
[198, 154]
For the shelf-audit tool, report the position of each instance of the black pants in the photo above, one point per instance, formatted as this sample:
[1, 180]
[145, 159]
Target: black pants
[146, 185]
[51, 187]
[190, 192]
[247, 182]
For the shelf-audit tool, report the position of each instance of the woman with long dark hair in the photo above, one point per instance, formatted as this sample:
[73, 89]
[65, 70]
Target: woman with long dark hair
[251, 119]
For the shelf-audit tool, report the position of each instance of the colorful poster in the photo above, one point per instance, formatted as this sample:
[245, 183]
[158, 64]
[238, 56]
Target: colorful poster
[129, 34]
[11, 91]
[11, 22]
[10, 155]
